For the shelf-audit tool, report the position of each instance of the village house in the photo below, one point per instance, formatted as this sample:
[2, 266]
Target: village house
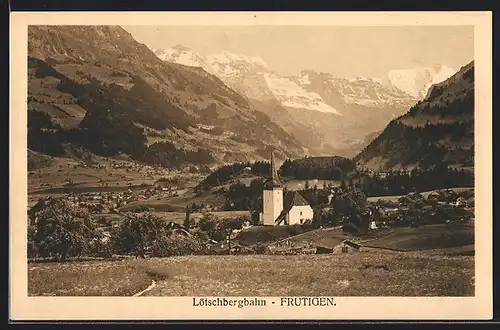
[290, 209]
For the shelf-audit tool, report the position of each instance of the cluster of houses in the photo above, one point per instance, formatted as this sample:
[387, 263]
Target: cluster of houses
[147, 170]
[439, 206]
[110, 202]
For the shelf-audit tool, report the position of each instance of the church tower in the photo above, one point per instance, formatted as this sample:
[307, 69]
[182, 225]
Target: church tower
[272, 196]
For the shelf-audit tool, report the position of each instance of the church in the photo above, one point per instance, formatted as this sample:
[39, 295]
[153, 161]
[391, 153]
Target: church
[282, 209]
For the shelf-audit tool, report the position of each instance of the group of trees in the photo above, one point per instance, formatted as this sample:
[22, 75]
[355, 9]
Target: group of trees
[226, 173]
[403, 182]
[43, 134]
[242, 197]
[309, 168]
[322, 168]
[346, 206]
[60, 230]
[167, 155]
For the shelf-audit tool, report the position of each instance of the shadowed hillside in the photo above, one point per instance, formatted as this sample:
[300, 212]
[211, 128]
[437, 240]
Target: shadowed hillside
[97, 88]
[437, 130]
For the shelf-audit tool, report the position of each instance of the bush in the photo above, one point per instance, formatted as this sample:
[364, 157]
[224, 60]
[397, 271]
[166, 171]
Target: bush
[141, 234]
[32, 247]
[199, 234]
[140, 208]
[177, 245]
[259, 248]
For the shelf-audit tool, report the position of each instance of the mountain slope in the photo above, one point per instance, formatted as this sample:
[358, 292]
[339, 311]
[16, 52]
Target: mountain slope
[437, 130]
[97, 88]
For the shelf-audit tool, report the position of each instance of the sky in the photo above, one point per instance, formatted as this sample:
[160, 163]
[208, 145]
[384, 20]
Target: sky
[344, 51]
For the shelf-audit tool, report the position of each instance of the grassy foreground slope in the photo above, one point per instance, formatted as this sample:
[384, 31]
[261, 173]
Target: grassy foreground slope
[357, 274]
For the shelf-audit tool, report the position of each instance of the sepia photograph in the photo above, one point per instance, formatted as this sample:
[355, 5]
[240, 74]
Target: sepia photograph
[227, 163]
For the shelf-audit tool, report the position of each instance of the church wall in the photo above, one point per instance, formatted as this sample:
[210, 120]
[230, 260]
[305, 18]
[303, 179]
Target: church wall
[296, 213]
[273, 205]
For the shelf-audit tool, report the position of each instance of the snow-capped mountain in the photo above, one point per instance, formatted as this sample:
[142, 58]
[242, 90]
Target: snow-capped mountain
[291, 95]
[329, 114]
[250, 76]
[361, 91]
[417, 81]
[230, 65]
[185, 56]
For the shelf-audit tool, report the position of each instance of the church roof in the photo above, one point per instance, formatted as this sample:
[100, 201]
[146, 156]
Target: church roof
[293, 198]
[281, 217]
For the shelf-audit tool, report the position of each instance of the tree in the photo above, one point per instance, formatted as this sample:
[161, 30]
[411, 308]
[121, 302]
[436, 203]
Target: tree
[138, 233]
[62, 230]
[187, 219]
[342, 184]
[173, 244]
[351, 205]
[213, 226]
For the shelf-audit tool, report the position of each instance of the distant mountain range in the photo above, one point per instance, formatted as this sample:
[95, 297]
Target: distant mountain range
[96, 89]
[328, 114]
[438, 130]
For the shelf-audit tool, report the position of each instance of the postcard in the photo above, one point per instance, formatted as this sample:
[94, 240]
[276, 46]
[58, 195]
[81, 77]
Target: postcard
[251, 166]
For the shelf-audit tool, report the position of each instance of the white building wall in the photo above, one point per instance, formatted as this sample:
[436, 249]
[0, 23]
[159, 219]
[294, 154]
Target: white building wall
[273, 205]
[297, 213]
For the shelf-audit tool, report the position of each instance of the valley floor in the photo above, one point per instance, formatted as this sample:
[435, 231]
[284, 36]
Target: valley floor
[371, 273]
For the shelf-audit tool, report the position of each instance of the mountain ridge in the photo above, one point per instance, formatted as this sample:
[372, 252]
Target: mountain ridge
[86, 77]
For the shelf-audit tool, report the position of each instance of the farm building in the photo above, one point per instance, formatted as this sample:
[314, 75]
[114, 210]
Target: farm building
[290, 209]
[336, 246]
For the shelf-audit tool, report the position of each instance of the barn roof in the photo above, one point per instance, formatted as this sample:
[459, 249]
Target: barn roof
[352, 244]
[328, 242]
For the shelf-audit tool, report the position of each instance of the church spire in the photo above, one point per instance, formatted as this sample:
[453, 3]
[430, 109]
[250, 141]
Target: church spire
[274, 178]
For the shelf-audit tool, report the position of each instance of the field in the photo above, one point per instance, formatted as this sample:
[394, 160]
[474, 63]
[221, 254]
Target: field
[104, 174]
[431, 237]
[357, 274]
[432, 260]
[86, 278]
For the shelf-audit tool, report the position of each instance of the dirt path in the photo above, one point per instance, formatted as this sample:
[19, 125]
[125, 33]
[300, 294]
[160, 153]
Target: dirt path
[153, 284]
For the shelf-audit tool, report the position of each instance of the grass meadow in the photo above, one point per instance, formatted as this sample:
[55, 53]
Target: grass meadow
[371, 273]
